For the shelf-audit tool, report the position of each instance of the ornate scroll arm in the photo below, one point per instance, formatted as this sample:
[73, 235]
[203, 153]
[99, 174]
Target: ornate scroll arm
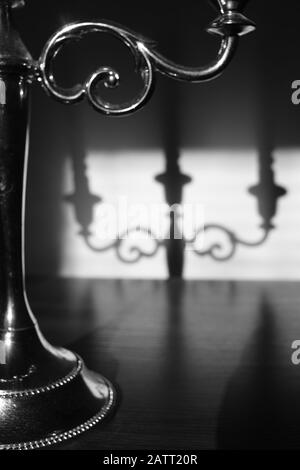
[128, 251]
[230, 25]
[217, 250]
[106, 75]
[194, 74]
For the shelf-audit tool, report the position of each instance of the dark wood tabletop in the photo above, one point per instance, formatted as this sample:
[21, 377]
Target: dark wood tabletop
[198, 365]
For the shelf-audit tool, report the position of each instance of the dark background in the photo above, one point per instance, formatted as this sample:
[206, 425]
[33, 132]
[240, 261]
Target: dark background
[249, 106]
[218, 353]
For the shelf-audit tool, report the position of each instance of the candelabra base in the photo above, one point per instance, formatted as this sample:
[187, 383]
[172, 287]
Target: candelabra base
[73, 401]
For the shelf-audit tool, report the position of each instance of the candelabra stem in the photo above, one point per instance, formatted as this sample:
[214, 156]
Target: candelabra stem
[46, 394]
[14, 311]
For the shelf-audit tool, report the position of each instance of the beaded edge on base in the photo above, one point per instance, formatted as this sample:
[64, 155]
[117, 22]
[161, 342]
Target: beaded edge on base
[46, 388]
[61, 437]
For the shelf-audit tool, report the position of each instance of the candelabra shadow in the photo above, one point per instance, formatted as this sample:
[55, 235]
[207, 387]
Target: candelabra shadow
[221, 241]
[82, 199]
[258, 412]
[173, 181]
[266, 191]
[44, 224]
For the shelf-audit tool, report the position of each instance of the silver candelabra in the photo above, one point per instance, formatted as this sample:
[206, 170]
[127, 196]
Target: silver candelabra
[47, 395]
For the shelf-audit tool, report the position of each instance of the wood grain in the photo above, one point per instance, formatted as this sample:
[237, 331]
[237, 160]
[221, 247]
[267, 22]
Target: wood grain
[198, 365]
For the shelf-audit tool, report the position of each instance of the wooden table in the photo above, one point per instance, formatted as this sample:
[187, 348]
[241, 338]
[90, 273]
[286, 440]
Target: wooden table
[199, 365]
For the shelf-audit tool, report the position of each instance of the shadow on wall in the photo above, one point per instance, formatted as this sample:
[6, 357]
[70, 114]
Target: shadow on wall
[222, 113]
[258, 411]
[173, 180]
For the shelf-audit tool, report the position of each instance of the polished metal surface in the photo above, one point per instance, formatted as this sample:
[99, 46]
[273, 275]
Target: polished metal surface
[13, 3]
[46, 394]
[229, 25]
[224, 5]
[52, 413]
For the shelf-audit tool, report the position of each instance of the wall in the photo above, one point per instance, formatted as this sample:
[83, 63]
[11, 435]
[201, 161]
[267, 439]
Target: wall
[224, 135]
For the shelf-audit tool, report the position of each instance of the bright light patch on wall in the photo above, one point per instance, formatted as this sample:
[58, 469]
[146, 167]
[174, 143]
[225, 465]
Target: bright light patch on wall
[220, 181]
[128, 176]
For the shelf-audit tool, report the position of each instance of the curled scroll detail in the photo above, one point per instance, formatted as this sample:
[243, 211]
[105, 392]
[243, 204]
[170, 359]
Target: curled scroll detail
[147, 60]
[127, 248]
[225, 249]
[106, 75]
[130, 251]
